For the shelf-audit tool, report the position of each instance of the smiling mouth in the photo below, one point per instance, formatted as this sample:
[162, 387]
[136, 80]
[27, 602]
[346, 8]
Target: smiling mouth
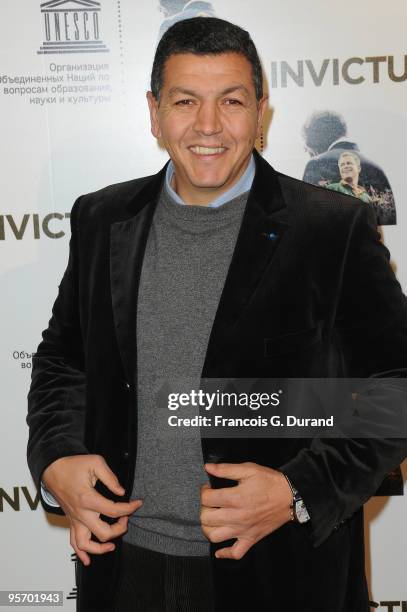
[207, 150]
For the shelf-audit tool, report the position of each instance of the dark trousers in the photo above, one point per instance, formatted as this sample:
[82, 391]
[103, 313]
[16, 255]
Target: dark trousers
[154, 582]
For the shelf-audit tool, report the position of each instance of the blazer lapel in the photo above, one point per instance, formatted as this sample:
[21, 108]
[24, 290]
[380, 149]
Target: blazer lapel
[128, 241]
[263, 225]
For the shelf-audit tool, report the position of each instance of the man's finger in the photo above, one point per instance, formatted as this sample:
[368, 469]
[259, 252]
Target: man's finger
[105, 532]
[93, 500]
[83, 541]
[237, 551]
[82, 555]
[228, 497]
[219, 534]
[233, 471]
[103, 472]
[218, 517]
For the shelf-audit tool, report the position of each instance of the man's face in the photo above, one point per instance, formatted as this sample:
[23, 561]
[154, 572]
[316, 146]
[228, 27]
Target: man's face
[208, 119]
[349, 168]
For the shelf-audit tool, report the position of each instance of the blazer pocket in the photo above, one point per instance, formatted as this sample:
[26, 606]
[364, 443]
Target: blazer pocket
[295, 341]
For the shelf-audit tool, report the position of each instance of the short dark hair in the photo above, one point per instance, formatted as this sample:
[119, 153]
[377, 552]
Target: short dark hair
[322, 128]
[205, 36]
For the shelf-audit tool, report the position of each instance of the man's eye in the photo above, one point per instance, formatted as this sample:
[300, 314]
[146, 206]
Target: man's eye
[183, 102]
[232, 101]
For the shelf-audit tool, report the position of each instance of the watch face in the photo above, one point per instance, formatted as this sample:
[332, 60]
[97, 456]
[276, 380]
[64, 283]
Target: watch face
[301, 512]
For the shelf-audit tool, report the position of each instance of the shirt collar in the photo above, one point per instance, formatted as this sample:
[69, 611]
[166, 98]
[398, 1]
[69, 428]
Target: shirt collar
[243, 184]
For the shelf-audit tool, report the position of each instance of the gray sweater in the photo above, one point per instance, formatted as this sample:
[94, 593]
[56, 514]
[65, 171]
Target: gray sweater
[187, 257]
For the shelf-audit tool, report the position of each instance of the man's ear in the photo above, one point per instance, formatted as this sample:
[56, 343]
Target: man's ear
[262, 108]
[153, 107]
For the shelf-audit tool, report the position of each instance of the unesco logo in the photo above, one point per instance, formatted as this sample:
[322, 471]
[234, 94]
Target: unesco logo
[71, 26]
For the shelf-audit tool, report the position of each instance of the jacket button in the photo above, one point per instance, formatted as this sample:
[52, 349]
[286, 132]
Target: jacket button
[127, 385]
[126, 454]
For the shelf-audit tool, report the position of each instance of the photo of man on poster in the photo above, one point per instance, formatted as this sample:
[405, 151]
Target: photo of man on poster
[326, 140]
[349, 170]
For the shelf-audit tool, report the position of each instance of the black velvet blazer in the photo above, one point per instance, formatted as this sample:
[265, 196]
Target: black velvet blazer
[319, 301]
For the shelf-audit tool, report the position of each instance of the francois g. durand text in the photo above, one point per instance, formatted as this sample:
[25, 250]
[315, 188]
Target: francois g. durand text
[257, 421]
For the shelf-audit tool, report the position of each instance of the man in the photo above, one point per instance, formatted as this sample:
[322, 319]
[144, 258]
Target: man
[325, 135]
[349, 170]
[216, 267]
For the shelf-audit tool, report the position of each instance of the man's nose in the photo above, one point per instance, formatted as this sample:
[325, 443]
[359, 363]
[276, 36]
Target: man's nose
[207, 120]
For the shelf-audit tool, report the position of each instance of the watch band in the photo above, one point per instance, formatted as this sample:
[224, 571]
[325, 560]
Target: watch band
[293, 492]
[299, 512]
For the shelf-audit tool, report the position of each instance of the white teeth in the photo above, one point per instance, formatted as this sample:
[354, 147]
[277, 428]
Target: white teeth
[207, 150]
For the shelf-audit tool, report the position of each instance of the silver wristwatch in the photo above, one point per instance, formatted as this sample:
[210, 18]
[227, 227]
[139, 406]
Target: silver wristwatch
[299, 512]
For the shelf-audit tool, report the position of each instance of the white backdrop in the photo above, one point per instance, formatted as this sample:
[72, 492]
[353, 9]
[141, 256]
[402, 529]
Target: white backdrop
[74, 118]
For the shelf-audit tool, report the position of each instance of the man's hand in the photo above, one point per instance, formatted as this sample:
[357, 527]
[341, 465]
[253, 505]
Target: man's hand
[249, 511]
[71, 480]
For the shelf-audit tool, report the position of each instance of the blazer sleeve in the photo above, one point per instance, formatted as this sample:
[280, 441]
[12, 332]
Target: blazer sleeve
[56, 399]
[336, 476]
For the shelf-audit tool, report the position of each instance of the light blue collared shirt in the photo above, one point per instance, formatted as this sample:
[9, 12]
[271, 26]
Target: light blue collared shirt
[243, 184]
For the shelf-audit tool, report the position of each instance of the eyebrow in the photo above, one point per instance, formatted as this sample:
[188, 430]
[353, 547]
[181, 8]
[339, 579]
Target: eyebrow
[190, 92]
